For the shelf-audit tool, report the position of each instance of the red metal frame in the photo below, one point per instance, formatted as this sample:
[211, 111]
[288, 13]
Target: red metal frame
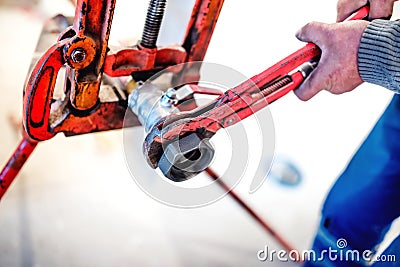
[82, 48]
[89, 35]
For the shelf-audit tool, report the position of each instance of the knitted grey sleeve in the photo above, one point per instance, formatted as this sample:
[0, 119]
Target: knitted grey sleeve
[379, 54]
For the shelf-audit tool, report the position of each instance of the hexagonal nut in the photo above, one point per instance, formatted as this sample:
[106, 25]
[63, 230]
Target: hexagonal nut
[185, 158]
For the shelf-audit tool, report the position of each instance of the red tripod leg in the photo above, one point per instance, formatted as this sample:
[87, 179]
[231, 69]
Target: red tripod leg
[15, 163]
[269, 229]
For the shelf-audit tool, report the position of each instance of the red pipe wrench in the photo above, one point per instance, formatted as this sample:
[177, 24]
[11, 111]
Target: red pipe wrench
[235, 104]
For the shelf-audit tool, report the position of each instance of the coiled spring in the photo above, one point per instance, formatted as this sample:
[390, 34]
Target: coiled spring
[276, 85]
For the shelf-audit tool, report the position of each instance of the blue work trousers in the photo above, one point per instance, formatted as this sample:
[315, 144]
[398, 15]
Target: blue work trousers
[365, 200]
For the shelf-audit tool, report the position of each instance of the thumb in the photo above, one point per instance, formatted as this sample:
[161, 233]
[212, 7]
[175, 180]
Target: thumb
[314, 32]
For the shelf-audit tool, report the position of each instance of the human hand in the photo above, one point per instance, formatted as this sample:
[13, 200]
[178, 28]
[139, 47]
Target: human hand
[378, 8]
[337, 70]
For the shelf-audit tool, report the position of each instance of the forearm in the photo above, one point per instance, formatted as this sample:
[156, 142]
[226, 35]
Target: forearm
[379, 54]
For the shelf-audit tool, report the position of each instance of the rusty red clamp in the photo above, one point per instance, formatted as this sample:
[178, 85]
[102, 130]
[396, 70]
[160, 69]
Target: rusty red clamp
[233, 106]
[83, 50]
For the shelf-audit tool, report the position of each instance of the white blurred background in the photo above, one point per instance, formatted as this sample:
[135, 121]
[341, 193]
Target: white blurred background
[75, 204]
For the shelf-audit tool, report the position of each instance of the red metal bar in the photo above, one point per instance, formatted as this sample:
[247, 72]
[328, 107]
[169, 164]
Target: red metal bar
[285, 244]
[201, 27]
[85, 52]
[198, 35]
[15, 163]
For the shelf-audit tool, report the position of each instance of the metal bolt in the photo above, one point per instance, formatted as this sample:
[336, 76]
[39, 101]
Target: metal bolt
[78, 55]
[231, 121]
[169, 98]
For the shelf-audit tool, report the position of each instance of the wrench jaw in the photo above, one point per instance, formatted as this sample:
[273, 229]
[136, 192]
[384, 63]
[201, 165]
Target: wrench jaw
[152, 147]
[172, 144]
[185, 158]
[180, 159]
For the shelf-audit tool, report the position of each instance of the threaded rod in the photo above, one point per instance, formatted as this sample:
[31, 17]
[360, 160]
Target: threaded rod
[155, 14]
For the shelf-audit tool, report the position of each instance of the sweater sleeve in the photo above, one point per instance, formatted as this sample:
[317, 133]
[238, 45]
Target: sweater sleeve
[379, 54]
